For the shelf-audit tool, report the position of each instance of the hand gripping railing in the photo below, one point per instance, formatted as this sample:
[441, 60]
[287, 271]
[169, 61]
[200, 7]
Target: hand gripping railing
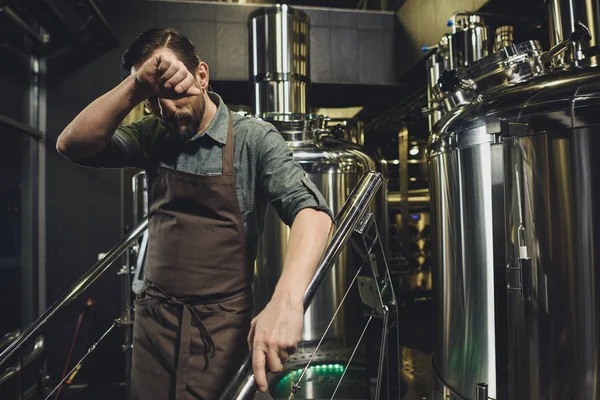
[354, 218]
[83, 283]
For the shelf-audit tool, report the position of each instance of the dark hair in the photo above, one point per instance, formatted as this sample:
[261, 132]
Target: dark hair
[148, 41]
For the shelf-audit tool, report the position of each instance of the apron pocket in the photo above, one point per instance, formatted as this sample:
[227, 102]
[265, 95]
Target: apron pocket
[144, 356]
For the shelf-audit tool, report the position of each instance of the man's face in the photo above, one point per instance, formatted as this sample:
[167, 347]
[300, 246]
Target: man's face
[181, 116]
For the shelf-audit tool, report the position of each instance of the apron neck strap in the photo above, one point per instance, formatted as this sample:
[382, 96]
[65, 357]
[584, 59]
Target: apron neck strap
[228, 149]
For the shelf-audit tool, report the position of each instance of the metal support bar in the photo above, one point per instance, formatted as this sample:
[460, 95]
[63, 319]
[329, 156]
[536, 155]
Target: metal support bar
[90, 350]
[243, 385]
[94, 273]
[29, 32]
[34, 133]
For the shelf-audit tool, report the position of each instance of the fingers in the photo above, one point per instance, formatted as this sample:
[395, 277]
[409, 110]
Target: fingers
[187, 85]
[273, 360]
[258, 368]
[283, 355]
[168, 70]
[172, 74]
[251, 334]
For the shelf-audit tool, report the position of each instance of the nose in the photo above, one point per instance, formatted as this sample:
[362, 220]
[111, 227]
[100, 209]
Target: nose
[166, 108]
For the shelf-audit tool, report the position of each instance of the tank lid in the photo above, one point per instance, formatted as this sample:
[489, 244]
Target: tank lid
[295, 127]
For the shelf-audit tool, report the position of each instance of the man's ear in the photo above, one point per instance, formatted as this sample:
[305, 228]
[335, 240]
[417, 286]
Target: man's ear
[202, 75]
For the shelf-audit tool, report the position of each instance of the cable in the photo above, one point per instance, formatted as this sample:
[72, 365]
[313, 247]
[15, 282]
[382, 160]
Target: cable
[82, 314]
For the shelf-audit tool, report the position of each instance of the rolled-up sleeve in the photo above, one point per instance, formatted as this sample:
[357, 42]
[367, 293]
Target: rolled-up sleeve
[285, 183]
[125, 149]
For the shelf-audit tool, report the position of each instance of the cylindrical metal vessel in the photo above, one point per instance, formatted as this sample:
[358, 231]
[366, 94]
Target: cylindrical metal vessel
[279, 59]
[552, 197]
[436, 63]
[467, 222]
[335, 169]
[471, 41]
[465, 180]
[562, 17]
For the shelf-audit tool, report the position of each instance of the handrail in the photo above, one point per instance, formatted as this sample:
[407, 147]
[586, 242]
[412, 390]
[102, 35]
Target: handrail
[82, 284]
[347, 221]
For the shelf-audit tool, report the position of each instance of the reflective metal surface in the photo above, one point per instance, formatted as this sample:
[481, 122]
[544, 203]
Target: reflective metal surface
[296, 127]
[562, 17]
[279, 52]
[468, 261]
[436, 63]
[335, 171]
[544, 133]
[471, 40]
[504, 37]
[349, 129]
[552, 195]
[511, 65]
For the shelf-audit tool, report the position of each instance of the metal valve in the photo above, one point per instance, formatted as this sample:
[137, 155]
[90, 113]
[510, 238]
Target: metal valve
[450, 82]
[580, 33]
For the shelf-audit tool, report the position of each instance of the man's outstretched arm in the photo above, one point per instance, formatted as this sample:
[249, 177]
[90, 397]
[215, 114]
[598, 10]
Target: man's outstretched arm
[279, 326]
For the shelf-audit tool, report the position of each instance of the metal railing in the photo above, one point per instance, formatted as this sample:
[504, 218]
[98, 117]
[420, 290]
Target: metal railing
[90, 277]
[353, 219]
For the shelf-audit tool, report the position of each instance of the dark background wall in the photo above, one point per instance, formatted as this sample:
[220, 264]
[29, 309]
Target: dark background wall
[14, 84]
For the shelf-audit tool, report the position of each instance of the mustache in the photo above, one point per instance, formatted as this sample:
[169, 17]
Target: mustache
[173, 118]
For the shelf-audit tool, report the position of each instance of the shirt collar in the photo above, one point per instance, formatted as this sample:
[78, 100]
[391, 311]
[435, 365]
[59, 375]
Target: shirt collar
[217, 129]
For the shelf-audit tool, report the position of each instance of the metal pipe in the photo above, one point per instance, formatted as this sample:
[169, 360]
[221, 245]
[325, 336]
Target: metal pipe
[482, 391]
[94, 273]
[417, 199]
[346, 222]
[31, 34]
[11, 123]
[579, 34]
[563, 17]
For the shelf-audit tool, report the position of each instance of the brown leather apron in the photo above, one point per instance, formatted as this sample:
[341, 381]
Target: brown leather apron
[193, 316]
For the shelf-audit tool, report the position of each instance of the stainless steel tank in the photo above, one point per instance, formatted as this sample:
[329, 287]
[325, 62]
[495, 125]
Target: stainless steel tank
[466, 180]
[552, 197]
[279, 67]
[279, 59]
[335, 169]
[552, 193]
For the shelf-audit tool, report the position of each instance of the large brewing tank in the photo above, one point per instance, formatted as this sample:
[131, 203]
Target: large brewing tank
[552, 191]
[552, 197]
[467, 202]
[279, 69]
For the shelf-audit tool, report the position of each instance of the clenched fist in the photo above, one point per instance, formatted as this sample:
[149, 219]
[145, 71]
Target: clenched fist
[164, 76]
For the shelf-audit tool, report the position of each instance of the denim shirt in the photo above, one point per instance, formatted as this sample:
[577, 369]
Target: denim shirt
[266, 172]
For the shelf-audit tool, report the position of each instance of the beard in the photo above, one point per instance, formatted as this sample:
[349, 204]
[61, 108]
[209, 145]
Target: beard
[185, 125]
